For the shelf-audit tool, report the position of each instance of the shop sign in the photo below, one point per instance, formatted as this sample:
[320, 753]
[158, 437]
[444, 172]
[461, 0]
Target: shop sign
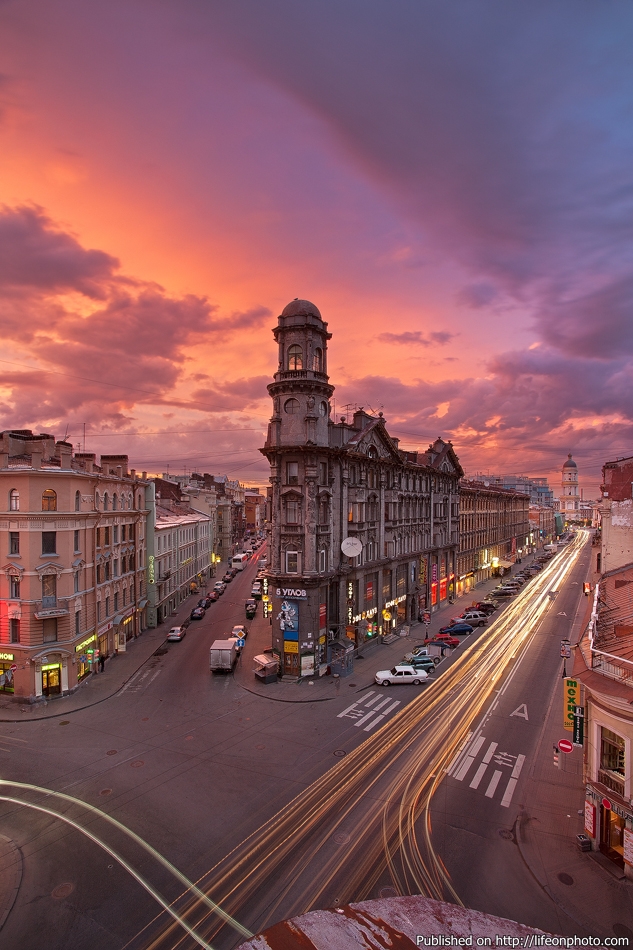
[422, 575]
[434, 574]
[366, 615]
[579, 725]
[150, 569]
[291, 646]
[628, 847]
[571, 699]
[322, 616]
[296, 594]
[7, 656]
[322, 639]
[443, 589]
[50, 666]
[369, 591]
[84, 643]
[307, 665]
[393, 603]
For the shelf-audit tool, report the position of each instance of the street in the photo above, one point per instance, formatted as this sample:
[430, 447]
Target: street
[277, 807]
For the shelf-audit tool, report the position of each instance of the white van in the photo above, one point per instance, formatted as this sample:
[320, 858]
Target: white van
[239, 561]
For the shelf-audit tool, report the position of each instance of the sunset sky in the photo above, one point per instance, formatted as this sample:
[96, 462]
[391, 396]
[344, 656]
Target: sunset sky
[451, 183]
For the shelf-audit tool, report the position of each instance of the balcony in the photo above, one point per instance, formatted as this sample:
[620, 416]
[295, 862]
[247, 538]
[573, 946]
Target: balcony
[608, 779]
[51, 607]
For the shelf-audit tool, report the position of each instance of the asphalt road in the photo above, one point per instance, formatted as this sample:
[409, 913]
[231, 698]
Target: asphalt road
[195, 765]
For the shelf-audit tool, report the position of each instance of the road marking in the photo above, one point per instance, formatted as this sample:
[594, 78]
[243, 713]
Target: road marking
[363, 710]
[379, 718]
[512, 781]
[470, 758]
[494, 781]
[521, 712]
[484, 765]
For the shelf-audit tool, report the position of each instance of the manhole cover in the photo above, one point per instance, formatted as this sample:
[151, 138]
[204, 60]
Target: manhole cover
[351, 684]
[62, 891]
[621, 930]
[188, 738]
[565, 878]
[64, 722]
[105, 791]
[111, 752]
[388, 892]
[137, 764]
[341, 837]
[507, 834]
[339, 753]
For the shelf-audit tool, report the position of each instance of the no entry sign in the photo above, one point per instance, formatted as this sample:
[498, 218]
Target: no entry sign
[565, 745]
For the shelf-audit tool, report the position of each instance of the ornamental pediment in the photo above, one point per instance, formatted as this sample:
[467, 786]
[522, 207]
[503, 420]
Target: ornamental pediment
[49, 568]
[13, 570]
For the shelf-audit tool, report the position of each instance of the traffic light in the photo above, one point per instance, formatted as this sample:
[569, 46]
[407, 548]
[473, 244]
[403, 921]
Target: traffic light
[586, 588]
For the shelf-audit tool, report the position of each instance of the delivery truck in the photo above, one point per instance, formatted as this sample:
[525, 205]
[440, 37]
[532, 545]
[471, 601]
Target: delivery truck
[223, 656]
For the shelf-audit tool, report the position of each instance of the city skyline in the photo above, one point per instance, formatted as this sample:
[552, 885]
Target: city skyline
[451, 192]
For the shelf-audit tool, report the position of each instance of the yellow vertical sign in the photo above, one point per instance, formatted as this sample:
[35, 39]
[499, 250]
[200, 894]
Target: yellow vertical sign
[571, 699]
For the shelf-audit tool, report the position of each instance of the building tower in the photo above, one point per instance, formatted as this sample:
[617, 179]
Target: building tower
[569, 497]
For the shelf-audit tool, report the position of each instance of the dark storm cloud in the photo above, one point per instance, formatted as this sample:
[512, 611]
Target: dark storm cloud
[37, 256]
[599, 323]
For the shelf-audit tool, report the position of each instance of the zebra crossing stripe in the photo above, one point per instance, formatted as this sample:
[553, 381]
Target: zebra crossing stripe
[512, 781]
[479, 774]
[470, 758]
[494, 781]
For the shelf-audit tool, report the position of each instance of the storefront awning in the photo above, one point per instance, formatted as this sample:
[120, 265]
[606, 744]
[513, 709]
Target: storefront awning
[504, 564]
[143, 603]
[121, 619]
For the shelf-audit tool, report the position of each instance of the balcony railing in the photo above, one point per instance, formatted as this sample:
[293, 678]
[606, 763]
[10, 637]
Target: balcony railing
[608, 779]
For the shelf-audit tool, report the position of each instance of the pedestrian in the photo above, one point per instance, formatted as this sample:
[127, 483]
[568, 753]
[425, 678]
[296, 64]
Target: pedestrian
[102, 660]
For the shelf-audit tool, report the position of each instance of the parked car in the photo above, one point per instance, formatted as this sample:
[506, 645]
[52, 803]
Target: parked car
[240, 630]
[400, 674]
[256, 591]
[219, 587]
[177, 633]
[444, 638]
[234, 571]
[228, 577]
[486, 606]
[476, 618]
[459, 627]
[417, 651]
[251, 609]
[197, 613]
[426, 663]
[212, 596]
[506, 591]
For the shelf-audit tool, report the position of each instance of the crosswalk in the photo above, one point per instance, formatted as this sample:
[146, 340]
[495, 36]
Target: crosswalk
[370, 711]
[466, 758]
[139, 681]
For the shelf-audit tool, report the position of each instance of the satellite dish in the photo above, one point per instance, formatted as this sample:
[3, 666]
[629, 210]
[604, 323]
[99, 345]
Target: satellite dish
[351, 547]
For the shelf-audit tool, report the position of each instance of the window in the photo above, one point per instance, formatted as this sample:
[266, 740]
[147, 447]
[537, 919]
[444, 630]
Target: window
[116, 601]
[124, 596]
[107, 534]
[77, 623]
[323, 408]
[123, 527]
[115, 502]
[107, 570]
[295, 357]
[612, 752]
[107, 606]
[291, 406]
[292, 473]
[105, 501]
[323, 473]
[318, 360]
[49, 542]
[292, 512]
[76, 548]
[77, 501]
[292, 562]
[49, 590]
[14, 587]
[14, 542]
[115, 534]
[49, 500]
[14, 500]
[116, 567]
[14, 631]
[76, 586]
[49, 630]
[322, 561]
[98, 611]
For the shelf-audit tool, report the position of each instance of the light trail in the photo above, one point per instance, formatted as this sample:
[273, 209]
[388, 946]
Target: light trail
[96, 812]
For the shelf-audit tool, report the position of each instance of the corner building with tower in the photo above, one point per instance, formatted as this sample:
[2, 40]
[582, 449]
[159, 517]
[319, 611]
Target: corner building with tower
[343, 487]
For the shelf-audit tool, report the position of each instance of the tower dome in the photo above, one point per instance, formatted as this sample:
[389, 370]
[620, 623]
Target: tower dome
[570, 462]
[302, 308]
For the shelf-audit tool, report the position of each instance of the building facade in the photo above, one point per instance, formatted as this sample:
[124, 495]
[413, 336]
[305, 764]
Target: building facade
[494, 533]
[603, 668]
[363, 536]
[73, 582]
[615, 511]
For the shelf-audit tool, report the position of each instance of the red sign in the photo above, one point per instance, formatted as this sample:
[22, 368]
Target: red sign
[565, 745]
[606, 804]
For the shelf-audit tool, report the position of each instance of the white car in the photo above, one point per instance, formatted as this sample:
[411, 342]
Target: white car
[400, 674]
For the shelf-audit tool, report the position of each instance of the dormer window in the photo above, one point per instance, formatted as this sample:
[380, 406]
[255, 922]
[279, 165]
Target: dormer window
[295, 357]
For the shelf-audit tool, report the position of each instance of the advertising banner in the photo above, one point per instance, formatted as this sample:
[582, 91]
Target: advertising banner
[571, 699]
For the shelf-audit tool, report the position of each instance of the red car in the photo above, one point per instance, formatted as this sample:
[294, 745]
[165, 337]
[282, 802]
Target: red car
[445, 639]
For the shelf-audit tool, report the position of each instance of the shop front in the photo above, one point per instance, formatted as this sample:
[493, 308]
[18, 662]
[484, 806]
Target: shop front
[51, 675]
[609, 822]
[85, 659]
[7, 669]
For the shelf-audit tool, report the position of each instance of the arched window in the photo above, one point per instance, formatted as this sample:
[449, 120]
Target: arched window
[291, 405]
[49, 500]
[317, 362]
[77, 501]
[295, 357]
[115, 502]
[14, 500]
[105, 501]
